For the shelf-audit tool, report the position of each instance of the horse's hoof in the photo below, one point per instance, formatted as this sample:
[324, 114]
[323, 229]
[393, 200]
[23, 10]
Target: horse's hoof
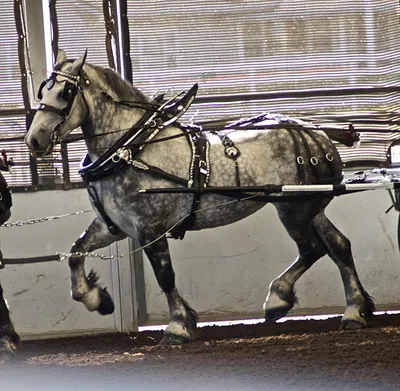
[7, 350]
[173, 339]
[271, 316]
[351, 324]
[7, 355]
[106, 306]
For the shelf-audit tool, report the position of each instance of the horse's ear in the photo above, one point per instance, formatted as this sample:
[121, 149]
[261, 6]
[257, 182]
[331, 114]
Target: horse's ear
[61, 56]
[78, 64]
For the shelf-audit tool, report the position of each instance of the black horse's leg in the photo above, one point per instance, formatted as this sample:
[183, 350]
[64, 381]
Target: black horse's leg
[359, 303]
[183, 318]
[281, 295]
[9, 339]
[85, 288]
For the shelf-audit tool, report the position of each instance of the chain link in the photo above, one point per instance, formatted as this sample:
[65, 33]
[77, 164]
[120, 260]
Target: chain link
[64, 256]
[42, 219]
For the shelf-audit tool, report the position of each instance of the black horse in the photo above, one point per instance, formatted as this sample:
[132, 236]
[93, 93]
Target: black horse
[9, 339]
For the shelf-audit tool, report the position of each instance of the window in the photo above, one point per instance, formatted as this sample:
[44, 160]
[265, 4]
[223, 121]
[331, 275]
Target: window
[248, 57]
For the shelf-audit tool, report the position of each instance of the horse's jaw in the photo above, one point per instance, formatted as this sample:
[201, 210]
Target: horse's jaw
[42, 154]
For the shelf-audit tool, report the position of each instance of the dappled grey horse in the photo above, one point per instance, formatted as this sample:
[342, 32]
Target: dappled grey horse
[122, 129]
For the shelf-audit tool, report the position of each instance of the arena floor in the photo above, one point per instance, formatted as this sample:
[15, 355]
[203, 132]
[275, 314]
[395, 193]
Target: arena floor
[295, 355]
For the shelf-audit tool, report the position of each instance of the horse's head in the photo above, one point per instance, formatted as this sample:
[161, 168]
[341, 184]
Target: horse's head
[62, 106]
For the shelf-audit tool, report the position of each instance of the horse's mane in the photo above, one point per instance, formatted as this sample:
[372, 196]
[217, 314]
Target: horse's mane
[112, 83]
[123, 89]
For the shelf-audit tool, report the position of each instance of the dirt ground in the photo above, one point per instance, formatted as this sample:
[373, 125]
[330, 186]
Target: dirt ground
[295, 355]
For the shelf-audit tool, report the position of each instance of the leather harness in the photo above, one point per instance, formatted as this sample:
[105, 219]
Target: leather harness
[126, 150]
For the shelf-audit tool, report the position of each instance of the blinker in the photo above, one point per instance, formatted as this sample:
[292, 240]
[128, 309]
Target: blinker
[49, 83]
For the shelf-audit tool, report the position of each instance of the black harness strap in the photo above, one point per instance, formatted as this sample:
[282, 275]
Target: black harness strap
[160, 173]
[299, 158]
[231, 152]
[328, 157]
[96, 166]
[200, 177]
[313, 161]
[112, 228]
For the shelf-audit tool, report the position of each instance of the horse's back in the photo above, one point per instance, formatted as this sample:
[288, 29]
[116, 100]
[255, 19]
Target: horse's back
[271, 156]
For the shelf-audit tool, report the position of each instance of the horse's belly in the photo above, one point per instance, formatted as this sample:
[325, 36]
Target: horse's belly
[215, 211]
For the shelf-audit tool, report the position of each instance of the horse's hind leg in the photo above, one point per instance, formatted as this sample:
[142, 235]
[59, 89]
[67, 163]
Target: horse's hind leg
[85, 288]
[183, 319]
[281, 295]
[359, 303]
[9, 339]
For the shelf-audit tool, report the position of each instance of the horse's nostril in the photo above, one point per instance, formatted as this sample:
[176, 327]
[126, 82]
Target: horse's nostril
[35, 144]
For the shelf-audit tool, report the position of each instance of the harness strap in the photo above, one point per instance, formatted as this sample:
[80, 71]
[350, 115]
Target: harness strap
[112, 228]
[312, 159]
[200, 178]
[299, 158]
[328, 157]
[137, 163]
[232, 152]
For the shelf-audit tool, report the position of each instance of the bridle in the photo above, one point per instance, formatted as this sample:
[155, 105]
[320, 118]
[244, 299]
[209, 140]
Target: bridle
[73, 87]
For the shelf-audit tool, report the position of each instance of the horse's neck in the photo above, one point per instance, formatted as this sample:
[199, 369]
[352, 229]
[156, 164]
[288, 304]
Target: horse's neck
[108, 123]
[172, 156]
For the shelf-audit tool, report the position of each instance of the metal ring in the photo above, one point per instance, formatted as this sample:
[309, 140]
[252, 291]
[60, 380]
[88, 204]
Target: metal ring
[116, 158]
[329, 157]
[54, 137]
[314, 161]
[300, 160]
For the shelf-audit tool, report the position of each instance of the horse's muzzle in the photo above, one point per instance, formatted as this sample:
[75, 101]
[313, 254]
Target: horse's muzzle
[36, 149]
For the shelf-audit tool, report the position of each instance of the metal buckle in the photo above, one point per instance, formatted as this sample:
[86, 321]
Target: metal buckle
[203, 167]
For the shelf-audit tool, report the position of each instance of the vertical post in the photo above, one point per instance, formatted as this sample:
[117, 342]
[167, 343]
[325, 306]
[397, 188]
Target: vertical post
[32, 160]
[65, 165]
[54, 29]
[125, 40]
[109, 22]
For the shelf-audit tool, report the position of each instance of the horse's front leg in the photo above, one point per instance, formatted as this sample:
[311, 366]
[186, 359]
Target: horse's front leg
[183, 319]
[85, 288]
[9, 339]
